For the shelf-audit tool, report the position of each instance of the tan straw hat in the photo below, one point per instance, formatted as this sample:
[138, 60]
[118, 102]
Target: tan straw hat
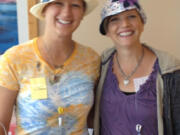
[37, 9]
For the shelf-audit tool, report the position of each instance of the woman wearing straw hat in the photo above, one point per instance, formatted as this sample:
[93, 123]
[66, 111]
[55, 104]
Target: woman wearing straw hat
[138, 91]
[51, 78]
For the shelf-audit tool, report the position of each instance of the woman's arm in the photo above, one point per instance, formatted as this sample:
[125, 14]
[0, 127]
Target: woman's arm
[7, 101]
[176, 104]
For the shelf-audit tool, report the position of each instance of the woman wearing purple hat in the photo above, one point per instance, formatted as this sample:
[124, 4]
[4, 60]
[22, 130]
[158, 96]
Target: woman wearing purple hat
[50, 79]
[139, 87]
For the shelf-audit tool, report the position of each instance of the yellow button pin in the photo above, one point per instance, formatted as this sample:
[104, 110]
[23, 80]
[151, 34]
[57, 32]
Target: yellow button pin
[60, 110]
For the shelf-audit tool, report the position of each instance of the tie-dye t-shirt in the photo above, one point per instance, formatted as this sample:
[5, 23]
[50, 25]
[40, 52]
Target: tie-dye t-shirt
[68, 88]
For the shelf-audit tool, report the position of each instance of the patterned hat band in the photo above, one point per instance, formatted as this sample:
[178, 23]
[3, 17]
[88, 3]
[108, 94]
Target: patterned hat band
[113, 7]
[45, 0]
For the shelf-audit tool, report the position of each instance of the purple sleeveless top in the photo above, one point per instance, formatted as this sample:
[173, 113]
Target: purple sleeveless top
[120, 113]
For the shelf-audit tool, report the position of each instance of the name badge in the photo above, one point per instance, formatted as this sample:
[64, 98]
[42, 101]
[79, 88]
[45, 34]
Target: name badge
[38, 88]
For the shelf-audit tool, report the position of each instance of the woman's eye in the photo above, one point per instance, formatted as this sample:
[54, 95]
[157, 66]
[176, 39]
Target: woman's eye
[76, 5]
[132, 16]
[113, 19]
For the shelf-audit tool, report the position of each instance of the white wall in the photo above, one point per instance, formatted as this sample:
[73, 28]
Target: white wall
[163, 28]
[22, 15]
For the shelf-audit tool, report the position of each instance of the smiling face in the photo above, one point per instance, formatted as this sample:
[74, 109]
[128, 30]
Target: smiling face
[125, 28]
[63, 16]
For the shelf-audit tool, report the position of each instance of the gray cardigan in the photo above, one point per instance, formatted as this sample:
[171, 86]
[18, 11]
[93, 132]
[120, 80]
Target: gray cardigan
[167, 63]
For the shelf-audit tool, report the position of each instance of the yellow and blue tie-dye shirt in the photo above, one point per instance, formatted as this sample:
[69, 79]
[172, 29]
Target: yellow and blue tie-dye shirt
[50, 101]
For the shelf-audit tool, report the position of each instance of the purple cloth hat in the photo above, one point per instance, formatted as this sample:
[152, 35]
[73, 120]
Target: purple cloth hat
[113, 7]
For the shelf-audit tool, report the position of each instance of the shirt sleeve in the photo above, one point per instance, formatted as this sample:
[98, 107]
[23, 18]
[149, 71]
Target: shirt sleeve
[7, 74]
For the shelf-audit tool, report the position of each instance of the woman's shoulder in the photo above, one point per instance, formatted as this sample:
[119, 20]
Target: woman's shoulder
[20, 47]
[107, 53]
[86, 50]
[19, 50]
[167, 61]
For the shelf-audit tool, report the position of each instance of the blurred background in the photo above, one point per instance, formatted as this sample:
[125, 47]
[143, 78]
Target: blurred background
[8, 24]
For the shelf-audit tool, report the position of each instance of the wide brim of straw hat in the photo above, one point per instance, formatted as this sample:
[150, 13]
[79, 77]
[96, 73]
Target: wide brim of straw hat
[37, 9]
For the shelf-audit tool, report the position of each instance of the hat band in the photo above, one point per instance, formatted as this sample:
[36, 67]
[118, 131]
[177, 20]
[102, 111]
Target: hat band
[44, 0]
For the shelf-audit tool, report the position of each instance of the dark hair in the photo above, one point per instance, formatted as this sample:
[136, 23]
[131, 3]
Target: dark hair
[84, 5]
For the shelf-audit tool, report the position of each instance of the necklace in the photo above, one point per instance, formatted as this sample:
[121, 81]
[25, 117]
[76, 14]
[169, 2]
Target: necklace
[125, 76]
[51, 60]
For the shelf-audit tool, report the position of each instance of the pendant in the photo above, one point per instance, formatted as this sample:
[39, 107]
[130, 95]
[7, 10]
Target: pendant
[138, 129]
[126, 82]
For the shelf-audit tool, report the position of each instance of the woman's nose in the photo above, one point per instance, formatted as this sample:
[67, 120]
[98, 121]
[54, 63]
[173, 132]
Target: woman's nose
[124, 22]
[66, 11]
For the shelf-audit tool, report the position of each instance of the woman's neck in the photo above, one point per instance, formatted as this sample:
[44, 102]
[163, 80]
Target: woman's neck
[129, 54]
[57, 42]
[55, 51]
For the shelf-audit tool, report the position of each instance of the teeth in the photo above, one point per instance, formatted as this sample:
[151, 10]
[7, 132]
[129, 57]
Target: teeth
[125, 33]
[64, 22]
